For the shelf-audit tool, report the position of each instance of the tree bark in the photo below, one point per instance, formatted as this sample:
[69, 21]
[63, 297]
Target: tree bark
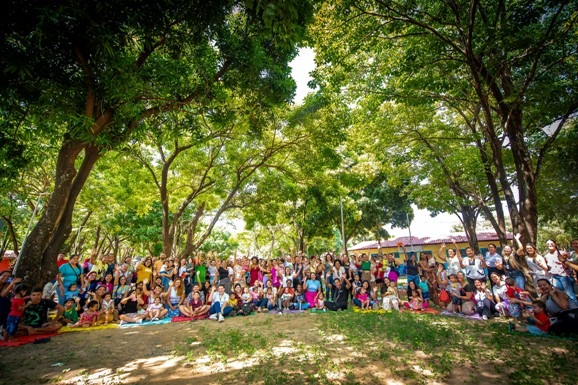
[469, 220]
[12, 235]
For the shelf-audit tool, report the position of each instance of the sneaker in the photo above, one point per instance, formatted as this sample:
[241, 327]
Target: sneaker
[154, 319]
[485, 317]
[220, 318]
[122, 322]
[139, 321]
[213, 317]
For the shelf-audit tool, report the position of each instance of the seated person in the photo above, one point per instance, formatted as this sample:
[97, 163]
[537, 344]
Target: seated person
[35, 318]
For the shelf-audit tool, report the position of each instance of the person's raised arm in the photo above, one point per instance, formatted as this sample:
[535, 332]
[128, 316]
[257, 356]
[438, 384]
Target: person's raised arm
[347, 282]
[6, 291]
[458, 253]
[404, 252]
[520, 250]
[441, 253]
[145, 290]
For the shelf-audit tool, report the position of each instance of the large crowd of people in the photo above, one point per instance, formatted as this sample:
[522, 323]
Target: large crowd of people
[519, 283]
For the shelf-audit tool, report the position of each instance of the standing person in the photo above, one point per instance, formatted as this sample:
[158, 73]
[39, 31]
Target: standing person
[200, 270]
[61, 260]
[144, 270]
[69, 273]
[412, 266]
[453, 258]
[562, 275]
[493, 260]
[474, 265]
[224, 276]
[537, 266]
[16, 311]
[340, 294]
[159, 264]
[514, 263]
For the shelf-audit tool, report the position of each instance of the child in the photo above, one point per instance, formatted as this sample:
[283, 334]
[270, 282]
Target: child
[424, 286]
[270, 299]
[89, 317]
[363, 297]
[538, 324]
[256, 296]
[154, 309]
[247, 302]
[320, 301]
[286, 298]
[391, 298]
[416, 300]
[16, 311]
[72, 292]
[71, 308]
[454, 288]
[516, 296]
[107, 306]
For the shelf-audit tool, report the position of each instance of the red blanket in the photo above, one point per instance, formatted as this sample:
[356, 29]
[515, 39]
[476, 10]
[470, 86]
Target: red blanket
[23, 340]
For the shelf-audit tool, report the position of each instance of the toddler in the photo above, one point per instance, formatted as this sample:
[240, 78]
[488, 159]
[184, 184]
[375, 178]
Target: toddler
[515, 296]
[71, 308]
[320, 301]
[391, 298]
[107, 306]
[538, 324]
[363, 297]
[416, 300]
[424, 286]
[89, 317]
[17, 308]
[453, 289]
[72, 292]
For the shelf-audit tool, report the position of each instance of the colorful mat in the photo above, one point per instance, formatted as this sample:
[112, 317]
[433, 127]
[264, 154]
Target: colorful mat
[66, 329]
[23, 340]
[147, 323]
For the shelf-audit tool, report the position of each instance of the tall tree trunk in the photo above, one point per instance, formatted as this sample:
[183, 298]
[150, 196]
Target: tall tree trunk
[11, 234]
[469, 220]
[30, 262]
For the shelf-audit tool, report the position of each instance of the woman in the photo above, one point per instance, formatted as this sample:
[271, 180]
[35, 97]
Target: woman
[132, 306]
[254, 270]
[224, 276]
[474, 265]
[121, 287]
[366, 285]
[411, 267]
[414, 297]
[176, 296]
[514, 265]
[393, 274]
[68, 274]
[453, 258]
[90, 284]
[493, 260]
[499, 292]
[484, 304]
[466, 295]
[144, 270]
[562, 276]
[312, 287]
[560, 306]
[129, 270]
[108, 282]
[537, 266]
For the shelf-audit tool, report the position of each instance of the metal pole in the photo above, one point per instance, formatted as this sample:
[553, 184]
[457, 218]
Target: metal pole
[409, 229]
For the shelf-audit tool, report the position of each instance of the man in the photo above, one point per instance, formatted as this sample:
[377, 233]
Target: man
[98, 266]
[220, 307]
[340, 294]
[35, 318]
[110, 265]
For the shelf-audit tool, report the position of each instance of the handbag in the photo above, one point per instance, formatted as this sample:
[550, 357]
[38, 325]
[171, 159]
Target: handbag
[444, 296]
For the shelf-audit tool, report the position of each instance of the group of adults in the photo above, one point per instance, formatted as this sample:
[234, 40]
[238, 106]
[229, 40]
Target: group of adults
[135, 286]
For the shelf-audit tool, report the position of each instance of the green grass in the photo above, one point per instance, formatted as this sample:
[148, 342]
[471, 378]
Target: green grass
[346, 347]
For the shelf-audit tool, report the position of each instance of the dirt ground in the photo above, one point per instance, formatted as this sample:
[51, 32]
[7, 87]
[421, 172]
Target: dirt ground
[267, 349]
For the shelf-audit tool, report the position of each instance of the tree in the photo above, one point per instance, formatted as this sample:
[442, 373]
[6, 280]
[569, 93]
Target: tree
[88, 74]
[515, 62]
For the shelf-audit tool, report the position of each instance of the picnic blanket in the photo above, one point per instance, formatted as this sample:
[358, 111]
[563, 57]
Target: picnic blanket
[474, 316]
[23, 340]
[163, 321]
[66, 329]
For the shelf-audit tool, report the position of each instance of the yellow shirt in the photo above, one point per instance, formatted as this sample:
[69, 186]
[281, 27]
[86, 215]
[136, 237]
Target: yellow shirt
[143, 273]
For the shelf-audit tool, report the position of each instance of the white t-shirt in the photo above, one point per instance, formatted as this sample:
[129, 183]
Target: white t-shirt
[454, 265]
[493, 259]
[535, 269]
[556, 267]
[222, 299]
[474, 269]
